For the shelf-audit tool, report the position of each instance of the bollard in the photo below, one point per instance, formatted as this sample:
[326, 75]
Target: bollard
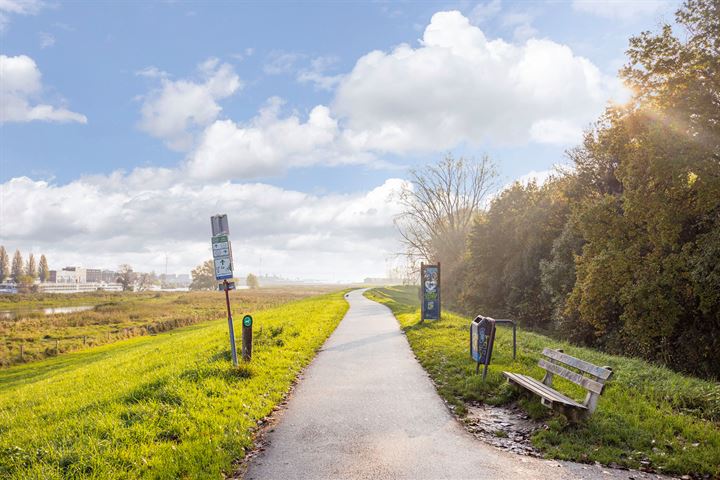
[247, 338]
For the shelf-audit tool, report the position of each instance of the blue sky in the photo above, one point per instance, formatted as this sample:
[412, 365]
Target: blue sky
[284, 100]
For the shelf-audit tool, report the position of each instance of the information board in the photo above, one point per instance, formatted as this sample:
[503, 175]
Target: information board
[222, 257]
[430, 288]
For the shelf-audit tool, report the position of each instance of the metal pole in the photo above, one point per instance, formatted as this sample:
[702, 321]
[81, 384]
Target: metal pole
[230, 324]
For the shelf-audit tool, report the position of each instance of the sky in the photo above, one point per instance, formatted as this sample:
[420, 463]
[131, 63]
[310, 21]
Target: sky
[125, 125]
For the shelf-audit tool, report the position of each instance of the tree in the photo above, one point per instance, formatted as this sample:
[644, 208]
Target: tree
[439, 204]
[31, 267]
[506, 248]
[44, 270]
[126, 277]
[203, 276]
[17, 267]
[26, 284]
[252, 281]
[145, 280]
[4, 264]
[646, 282]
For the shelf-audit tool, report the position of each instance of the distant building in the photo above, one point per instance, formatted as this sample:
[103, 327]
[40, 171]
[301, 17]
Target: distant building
[93, 275]
[53, 276]
[70, 275]
[108, 276]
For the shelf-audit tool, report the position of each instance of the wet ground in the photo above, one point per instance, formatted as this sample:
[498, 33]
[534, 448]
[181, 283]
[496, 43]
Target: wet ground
[507, 428]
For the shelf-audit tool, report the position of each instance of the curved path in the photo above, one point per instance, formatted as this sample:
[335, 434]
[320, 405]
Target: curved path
[365, 409]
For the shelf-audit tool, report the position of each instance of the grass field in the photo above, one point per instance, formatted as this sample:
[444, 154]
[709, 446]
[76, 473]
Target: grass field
[118, 316]
[165, 406]
[646, 414]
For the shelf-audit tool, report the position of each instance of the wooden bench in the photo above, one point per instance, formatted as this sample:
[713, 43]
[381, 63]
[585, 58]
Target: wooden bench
[591, 377]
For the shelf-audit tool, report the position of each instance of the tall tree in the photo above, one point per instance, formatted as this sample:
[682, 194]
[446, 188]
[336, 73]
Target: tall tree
[203, 276]
[252, 281]
[44, 269]
[506, 247]
[645, 282]
[31, 267]
[439, 204]
[126, 277]
[4, 264]
[17, 267]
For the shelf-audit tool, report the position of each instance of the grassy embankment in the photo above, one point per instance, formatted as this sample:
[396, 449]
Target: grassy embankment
[647, 412]
[118, 316]
[164, 406]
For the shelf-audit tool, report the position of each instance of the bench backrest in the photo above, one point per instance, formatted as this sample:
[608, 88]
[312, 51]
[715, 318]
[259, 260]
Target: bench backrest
[592, 378]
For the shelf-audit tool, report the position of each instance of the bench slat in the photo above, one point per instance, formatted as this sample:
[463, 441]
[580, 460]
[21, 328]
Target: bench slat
[541, 389]
[576, 378]
[599, 372]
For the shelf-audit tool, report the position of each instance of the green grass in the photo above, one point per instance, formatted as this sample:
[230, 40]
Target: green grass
[647, 412]
[119, 316]
[166, 406]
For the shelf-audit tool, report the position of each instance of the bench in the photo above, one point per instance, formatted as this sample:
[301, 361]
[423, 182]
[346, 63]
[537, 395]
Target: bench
[591, 377]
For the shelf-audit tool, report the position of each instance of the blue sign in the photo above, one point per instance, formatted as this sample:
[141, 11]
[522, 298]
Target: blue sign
[430, 287]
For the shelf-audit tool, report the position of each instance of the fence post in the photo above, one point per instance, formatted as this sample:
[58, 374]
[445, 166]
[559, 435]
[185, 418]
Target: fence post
[22, 352]
[57, 347]
[84, 340]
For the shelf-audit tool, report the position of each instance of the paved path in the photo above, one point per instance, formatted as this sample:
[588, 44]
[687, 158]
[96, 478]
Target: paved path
[365, 409]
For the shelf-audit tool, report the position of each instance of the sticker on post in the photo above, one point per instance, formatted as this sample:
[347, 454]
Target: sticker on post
[223, 268]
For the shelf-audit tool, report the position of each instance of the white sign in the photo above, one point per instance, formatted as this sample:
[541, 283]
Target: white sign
[223, 268]
[222, 256]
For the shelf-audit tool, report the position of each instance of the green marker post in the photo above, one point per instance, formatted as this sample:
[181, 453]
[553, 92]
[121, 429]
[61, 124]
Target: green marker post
[247, 338]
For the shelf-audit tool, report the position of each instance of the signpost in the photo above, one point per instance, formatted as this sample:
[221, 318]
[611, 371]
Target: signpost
[482, 338]
[247, 338]
[222, 257]
[430, 291]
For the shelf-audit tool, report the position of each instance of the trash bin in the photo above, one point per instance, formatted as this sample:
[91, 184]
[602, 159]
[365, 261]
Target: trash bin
[482, 337]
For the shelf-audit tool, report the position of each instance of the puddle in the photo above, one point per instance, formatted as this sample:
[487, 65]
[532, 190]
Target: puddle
[19, 313]
[508, 428]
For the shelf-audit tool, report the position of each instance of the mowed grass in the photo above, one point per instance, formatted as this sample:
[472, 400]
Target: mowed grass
[165, 406]
[119, 315]
[646, 414]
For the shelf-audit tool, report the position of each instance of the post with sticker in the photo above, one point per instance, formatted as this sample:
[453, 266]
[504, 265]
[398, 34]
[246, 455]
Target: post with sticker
[222, 258]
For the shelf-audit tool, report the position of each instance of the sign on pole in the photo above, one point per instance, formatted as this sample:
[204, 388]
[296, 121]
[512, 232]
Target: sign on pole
[222, 257]
[430, 289]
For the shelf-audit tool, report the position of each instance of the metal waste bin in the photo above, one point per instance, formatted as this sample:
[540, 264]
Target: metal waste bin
[482, 338]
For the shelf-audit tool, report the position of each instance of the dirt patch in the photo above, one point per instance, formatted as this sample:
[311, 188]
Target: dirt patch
[507, 428]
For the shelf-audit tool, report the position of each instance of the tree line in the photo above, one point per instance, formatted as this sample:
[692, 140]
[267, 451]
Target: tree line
[22, 272]
[622, 250]
[203, 277]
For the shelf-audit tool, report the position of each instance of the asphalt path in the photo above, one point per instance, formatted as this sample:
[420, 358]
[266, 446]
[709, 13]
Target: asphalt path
[365, 409]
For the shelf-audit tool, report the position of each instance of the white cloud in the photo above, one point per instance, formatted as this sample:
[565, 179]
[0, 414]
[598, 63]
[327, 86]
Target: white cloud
[484, 11]
[458, 86]
[17, 7]
[521, 23]
[46, 40]
[279, 62]
[269, 144]
[316, 73]
[102, 221]
[623, 9]
[178, 108]
[20, 83]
